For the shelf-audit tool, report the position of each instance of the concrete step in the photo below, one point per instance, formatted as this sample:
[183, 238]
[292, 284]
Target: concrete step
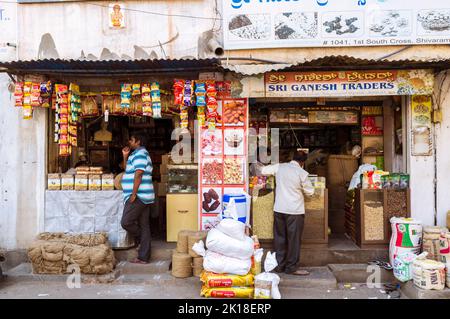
[24, 272]
[413, 292]
[154, 267]
[319, 277]
[359, 273]
[160, 251]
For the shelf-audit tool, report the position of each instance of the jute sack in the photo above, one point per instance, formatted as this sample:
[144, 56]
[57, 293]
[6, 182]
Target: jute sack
[182, 243]
[181, 265]
[194, 238]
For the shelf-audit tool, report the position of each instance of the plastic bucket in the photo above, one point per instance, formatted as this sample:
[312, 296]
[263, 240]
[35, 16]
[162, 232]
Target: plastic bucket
[241, 205]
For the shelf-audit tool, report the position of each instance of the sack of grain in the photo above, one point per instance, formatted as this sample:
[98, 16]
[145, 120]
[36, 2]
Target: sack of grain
[52, 253]
[403, 266]
[406, 237]
[431, 241]
[221, 264]
[429, 274]
[444, 247]
[222, 244]
[233, 228]
[229, 292]
[212, 280]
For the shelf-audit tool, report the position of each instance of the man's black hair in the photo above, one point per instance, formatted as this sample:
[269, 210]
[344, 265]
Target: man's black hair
[300, 156]
[141, 137]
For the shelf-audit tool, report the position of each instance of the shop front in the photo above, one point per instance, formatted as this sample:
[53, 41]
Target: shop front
[361, 129]
[343, 119]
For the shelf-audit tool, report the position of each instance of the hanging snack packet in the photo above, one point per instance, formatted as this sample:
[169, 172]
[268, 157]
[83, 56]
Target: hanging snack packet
[156, 110]
[187, 93]
[125, 95]
[27, 88]
[211, 88]
[136, 89]
[147, 109]
[146, 88]
[155, 92]
[18, 94]
[178, 88]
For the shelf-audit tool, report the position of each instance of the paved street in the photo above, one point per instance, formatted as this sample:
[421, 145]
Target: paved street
[181, 289]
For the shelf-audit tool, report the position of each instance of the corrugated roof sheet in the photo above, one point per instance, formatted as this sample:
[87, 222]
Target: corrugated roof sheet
[337, 62]
[149, 66]
[110, 67]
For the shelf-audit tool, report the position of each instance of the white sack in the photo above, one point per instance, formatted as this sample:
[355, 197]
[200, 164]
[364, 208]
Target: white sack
[221, 264]
[233, 228]
[218, 242]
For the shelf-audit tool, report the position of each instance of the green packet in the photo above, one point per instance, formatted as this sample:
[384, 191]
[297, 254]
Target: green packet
[404, 181]
[395, 181]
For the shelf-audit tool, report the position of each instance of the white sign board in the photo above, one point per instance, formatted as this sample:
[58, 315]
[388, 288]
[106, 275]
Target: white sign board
[252, 24]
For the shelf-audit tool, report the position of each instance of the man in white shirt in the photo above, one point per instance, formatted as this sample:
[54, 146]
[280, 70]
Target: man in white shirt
[292, 183]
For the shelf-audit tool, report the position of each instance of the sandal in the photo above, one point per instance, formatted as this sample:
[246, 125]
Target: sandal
[138, 261]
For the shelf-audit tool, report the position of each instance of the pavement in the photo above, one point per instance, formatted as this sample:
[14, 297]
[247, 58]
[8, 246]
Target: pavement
[154, 281]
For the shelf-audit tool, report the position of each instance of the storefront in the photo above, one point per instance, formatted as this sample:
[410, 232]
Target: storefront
[329, 113]
[91, 109]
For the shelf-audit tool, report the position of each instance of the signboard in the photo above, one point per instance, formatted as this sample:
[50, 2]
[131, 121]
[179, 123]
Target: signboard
[222, 160]
[348, 83]
[252, 24]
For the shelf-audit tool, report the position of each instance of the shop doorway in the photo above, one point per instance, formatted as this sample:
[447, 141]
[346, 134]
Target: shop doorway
[340, 135]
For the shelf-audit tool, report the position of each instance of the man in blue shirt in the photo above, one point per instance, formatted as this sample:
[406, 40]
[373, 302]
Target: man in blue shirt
[138, 194]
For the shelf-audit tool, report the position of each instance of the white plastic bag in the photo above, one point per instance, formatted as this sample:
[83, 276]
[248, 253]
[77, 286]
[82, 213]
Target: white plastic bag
[220, 243]
[233, 228]
[357, 176]
[221, 264]
[266, 284]
[199, 248]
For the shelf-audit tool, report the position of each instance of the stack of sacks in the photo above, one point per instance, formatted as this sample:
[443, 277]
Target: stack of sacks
[229, 253]
[52, 253]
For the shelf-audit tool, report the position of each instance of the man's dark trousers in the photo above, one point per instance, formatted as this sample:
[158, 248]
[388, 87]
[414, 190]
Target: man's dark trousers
[136, 221]
[287, 230]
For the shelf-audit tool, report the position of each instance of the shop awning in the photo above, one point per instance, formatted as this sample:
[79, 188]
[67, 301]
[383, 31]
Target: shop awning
[337, 63]
[108, 67]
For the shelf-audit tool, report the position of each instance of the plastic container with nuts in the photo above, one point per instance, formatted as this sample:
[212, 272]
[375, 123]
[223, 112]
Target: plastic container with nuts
[95, 182]
[81, 182]
[107, 182]
[54, 182]
[67, 182]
